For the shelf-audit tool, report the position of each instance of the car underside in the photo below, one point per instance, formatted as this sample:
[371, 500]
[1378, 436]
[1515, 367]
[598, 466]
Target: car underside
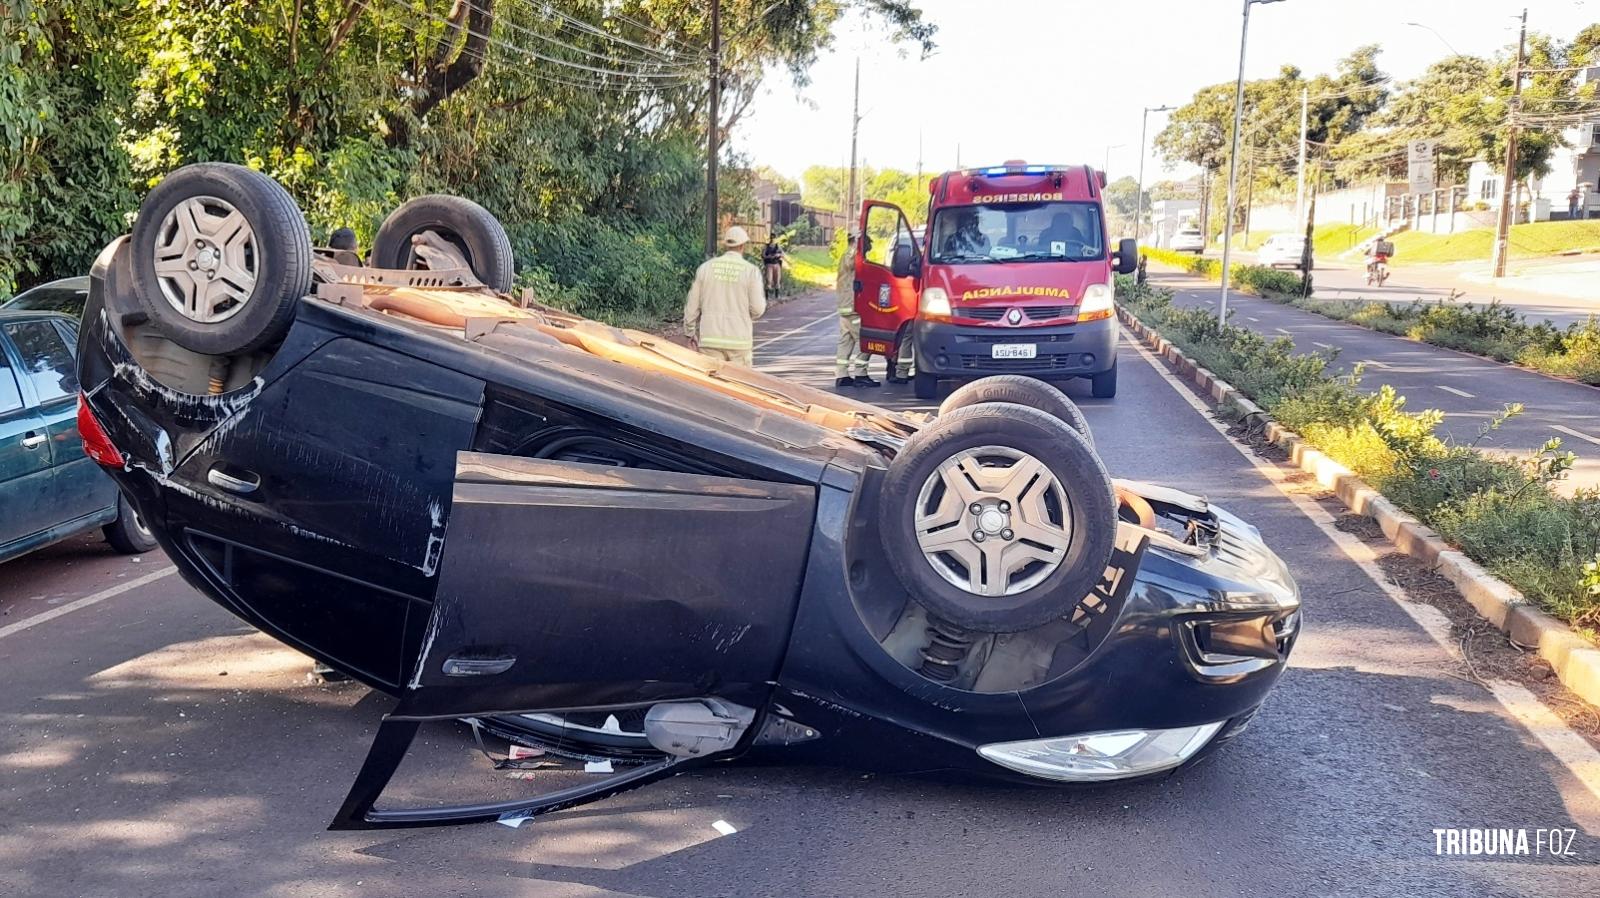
[598, 544]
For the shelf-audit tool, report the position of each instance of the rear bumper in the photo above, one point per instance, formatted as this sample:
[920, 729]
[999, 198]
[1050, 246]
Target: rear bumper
[965, 350]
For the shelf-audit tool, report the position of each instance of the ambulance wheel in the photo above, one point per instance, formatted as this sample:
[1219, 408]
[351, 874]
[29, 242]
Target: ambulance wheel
[221, 257]
[474, 232]
[925, 386]
[998, 517]
[1019, 389]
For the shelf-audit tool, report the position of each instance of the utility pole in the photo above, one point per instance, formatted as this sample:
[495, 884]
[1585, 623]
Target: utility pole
[712, 142]
[918, 182]
[1300, 177]
[1502, 233]
[852, 201]
[1233, 164]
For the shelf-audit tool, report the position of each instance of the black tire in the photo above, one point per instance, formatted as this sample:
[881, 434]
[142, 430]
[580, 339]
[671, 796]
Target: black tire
[1104, 385]
[468, 226]
[1084, 483]
[280, 254]
[1019, 389]
[925, 386]
[128, 534]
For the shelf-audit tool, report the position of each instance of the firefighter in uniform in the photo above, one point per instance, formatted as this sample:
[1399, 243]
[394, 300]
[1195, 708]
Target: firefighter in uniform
[849, 363]
[724, 301]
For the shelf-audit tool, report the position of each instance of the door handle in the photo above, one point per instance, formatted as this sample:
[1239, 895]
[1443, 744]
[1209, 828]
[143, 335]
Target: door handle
[243, 486]
[33, 440]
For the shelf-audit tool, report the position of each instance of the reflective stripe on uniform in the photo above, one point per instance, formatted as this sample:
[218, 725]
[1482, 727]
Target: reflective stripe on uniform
[725, 343]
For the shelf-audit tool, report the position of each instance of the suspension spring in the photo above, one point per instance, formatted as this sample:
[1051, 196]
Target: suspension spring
[947, 648]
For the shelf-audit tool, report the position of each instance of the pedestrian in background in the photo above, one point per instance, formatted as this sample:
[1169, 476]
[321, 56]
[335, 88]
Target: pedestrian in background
[1572, 204]
[772, 264]
[849, 362]
[724, 301]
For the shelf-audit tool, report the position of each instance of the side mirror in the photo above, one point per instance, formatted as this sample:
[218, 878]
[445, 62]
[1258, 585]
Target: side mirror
[1127, 256]
[905, 262]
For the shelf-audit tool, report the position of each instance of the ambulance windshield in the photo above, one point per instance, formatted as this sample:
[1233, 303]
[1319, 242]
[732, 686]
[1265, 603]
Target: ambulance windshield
[1017, 232]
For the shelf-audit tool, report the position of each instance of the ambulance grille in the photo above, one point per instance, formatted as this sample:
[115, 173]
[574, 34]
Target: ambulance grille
[996, 313]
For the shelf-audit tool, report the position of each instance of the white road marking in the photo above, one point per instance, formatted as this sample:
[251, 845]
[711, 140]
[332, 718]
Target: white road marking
[1576, 433]
[1282, 331]
[1256, 320]
[1462, 393]
[1577, 755]
[807, 326]
[1323, 345]
[86, 601]
[724, 827]
[1376, 364]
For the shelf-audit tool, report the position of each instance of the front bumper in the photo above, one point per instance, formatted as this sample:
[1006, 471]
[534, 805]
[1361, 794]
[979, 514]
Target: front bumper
[966, 350]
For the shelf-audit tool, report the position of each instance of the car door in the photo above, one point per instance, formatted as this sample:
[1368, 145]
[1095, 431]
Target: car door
[570, 585]
[44, 348]
[883, 301]
[25, 457]
[320, 505]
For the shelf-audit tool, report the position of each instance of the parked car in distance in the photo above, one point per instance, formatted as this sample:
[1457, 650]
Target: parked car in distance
[1188, 240]
[1282, 251]
[49, 489]
[66, 296]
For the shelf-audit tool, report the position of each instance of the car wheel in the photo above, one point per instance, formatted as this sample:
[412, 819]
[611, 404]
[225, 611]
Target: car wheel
[1104, 385]
[997, 517]
[476, 234]
[925, 386]
[1019, 390]
[221, 257]
[128, 533]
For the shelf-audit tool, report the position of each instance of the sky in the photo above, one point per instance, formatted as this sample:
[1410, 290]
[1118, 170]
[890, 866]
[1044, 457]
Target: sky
[1066, 81]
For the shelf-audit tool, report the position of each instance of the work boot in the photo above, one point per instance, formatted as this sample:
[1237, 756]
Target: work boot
[842, 382]
[899, 379]
[863, 380]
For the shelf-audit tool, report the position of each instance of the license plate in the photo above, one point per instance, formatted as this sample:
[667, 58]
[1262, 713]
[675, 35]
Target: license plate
[1013, 351]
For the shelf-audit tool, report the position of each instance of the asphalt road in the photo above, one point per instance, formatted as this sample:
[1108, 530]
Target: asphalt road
[1470, 390]
[150, 744]
[1347, 280]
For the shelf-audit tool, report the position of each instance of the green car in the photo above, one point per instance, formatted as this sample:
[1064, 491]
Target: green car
[49, 489]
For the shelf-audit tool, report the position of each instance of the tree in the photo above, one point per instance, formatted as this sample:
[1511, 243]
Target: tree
[580, 124]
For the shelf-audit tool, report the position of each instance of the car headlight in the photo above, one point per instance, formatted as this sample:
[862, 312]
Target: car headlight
[935, 302]
[1097, 757]
[1098, 302]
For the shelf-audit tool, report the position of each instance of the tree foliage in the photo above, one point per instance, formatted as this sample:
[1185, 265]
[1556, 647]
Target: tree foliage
[580, 123]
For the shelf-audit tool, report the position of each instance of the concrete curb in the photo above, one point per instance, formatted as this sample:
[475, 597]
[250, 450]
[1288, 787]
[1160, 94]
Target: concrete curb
[1576, 660]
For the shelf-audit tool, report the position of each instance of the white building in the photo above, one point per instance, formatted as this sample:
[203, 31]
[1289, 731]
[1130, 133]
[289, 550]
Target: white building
[1166, 216]
[1575, 166]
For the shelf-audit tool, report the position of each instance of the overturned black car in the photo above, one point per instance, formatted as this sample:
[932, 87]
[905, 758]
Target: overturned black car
[595, 542]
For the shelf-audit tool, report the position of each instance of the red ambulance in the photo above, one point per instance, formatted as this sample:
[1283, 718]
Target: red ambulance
[1012, 275]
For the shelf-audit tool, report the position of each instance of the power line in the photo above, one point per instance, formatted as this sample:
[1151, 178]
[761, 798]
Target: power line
[489, 39]
[697, 56]
[586, 52]
[625, 83]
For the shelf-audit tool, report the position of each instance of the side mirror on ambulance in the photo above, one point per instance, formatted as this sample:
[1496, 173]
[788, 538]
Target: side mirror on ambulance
[1127, 256]
[905, 263]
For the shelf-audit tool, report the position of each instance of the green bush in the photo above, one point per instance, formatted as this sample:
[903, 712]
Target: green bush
[1503, 513]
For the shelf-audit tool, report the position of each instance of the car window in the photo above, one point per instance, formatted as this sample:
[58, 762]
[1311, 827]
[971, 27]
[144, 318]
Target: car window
[51, 299]
[46, 361]
[10, 397]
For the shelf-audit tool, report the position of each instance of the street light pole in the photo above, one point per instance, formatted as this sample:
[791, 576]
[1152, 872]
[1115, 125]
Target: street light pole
[1233, 162]
[1105, 165]
[1138, 207]
[713, 145]
[1502, 233]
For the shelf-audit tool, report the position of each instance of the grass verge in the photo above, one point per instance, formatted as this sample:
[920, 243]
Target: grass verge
[1528, 241]
[1502, 512]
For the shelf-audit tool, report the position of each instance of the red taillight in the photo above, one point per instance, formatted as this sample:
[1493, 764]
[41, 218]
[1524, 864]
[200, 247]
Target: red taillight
[96, 444]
